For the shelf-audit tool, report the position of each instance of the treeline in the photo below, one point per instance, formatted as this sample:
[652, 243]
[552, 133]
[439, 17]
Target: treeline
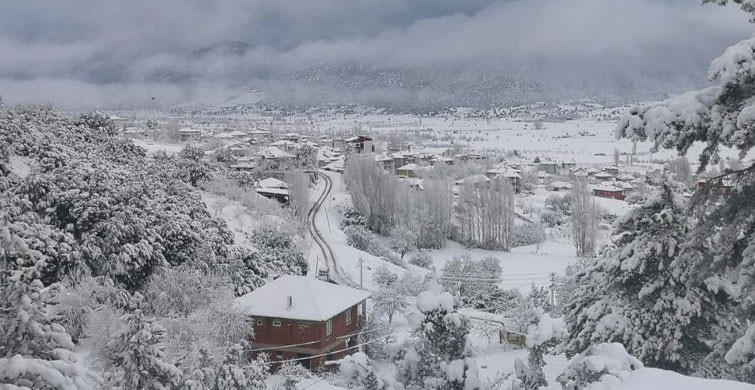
[387, 203]
[481, 216]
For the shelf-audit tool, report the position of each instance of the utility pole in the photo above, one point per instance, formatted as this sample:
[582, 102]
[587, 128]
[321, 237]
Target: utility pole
[361, 273]
[328, 219]
[553, 290]
[154, 119]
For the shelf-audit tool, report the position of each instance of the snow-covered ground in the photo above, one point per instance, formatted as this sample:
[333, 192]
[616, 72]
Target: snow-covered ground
[153, 147]
[347, 257]
[522, 267]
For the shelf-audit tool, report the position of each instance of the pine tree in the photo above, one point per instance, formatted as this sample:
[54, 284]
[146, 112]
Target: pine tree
[35, 350]
[632, 295]
[139, 355]
[716, 257]
[236, 373]
[192, 167]
[438, 356]
[543, 334]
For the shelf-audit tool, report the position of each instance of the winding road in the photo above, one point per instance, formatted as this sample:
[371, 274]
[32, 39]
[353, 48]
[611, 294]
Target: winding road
[335, 273]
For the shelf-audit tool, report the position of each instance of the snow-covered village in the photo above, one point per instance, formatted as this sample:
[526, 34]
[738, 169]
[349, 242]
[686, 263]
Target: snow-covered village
[403, 195]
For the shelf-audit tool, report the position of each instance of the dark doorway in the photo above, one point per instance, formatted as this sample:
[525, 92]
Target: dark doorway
[307, 363]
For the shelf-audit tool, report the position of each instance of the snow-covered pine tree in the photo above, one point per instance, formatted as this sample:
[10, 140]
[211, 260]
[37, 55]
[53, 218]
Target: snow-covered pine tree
[237, 373]
[192, 168]
[717, 257]
[358, 372]
[438, 357]
[543, 334]
[139, 355]
[602, 366]
[35, 351]
[632, 294]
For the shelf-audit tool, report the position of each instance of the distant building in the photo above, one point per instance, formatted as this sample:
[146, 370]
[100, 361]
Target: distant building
[360, 144]
[190, 135]
[474, 180]
[603, 176]
[508, 174]
[304, 319]
[273, 188]
[408, 170]
[274, 153]
[548, 167]
[610, 192]
[558, 186]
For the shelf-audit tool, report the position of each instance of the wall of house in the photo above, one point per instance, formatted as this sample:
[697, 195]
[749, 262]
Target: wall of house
[297, 332]
[610, 195]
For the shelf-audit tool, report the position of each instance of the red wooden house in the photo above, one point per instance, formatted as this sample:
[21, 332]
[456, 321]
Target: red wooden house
[304, 320]
[610, 192]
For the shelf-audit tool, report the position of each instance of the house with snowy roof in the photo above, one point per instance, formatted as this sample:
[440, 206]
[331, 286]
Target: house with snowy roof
[408, 170]
[273, 188]
[274, 153]
[608, 191]
[304, 320]
[190, 134]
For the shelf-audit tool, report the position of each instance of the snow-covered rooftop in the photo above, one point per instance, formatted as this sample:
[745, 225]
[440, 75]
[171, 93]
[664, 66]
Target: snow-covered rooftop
[474, 179]
[271, 182]
[312, 300]
[274, 152]
[408, 167]
[316, 384]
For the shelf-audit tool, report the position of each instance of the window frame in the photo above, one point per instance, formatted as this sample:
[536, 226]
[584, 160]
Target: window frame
[348, 317]
[329, 327]
[278, 322]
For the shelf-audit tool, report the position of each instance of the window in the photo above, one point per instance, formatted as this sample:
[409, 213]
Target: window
[259, 322]
[348, 316]
[279, 355]
[329, 327]
[360, 309]
[277, 323]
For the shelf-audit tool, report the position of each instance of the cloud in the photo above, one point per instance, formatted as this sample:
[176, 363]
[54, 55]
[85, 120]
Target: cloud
[358, 49]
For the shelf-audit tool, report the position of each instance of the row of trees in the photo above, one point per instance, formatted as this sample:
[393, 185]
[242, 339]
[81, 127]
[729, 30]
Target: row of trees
[388, 204]
[486, 215]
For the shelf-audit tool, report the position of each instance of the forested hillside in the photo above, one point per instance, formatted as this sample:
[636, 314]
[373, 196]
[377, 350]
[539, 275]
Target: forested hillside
[105, 252]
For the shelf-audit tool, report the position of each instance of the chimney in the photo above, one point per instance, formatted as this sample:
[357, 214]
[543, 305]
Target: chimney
[290, 302]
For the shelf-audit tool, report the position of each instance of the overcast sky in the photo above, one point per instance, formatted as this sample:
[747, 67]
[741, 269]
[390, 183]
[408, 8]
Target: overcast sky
[90, 52]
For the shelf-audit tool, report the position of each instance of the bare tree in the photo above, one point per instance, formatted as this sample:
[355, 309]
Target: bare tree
[298, 193]
[584, 221]
[681, 169]
[486, 215]
[374, 193]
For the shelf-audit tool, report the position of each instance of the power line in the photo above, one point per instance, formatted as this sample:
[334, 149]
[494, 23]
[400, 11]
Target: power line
[334, 352]
[313, 342]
